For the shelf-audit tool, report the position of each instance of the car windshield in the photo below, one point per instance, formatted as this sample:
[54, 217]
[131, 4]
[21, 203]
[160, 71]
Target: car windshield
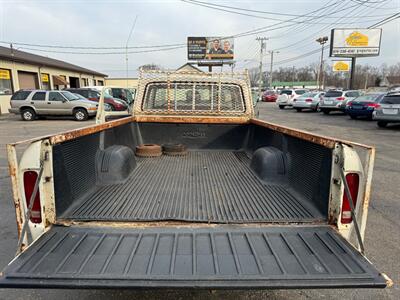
[269, 92]
[70, 96]
[286, 92]
[333, 94]
[368, 98]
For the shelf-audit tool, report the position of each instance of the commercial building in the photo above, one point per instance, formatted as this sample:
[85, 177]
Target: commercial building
[23, 70]
[128, 83]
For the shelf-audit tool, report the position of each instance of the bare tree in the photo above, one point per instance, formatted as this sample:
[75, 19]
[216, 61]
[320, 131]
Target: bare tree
[151, 66]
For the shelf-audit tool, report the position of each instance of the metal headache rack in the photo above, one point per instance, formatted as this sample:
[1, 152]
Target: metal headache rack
[177, 92]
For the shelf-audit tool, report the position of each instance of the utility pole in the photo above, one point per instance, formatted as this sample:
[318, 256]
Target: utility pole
[352, 71]
[271, 67]
[262, 47]
[293, 76]
[126, 50]
[366, 80]
[322, 41]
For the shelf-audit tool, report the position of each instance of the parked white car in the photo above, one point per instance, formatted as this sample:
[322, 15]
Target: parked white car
[287, 96]
[308, 100]
[336, 100]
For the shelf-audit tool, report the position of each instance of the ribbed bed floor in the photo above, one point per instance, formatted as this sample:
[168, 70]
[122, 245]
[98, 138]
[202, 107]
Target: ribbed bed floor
[204, 186]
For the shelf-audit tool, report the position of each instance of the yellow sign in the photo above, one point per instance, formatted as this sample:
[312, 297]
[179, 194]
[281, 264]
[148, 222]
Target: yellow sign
[45, 77]
[357, 39]
[341, 66]
[4, 74]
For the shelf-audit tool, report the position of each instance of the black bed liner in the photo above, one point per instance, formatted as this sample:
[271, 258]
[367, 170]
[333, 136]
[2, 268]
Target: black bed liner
[204, 186]
[217, 256]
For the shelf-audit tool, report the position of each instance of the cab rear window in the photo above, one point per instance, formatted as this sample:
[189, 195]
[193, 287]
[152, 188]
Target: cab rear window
[205, 97]
[21, 95]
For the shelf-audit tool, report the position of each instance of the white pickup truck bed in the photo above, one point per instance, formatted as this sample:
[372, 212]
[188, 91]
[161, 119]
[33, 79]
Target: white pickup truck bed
[202, 186]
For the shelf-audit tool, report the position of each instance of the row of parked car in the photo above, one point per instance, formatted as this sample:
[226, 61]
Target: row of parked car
[81, 103]
[383, 107]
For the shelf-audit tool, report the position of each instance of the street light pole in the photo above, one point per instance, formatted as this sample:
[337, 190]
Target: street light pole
[126, 50]
[322, 41]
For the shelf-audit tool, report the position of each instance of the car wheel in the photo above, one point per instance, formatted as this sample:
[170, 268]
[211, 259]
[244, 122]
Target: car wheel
[353, 117]
[382, 124]
[281, 106]
[28, 114]
[298, 109]
[325, 111]
[80, 114]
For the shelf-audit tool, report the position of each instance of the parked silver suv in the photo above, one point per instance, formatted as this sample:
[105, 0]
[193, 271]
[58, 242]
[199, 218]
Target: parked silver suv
[336, 100]
[32, 103]
[388, 110]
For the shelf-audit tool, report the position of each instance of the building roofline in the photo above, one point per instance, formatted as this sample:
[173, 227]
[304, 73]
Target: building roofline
[26, 57]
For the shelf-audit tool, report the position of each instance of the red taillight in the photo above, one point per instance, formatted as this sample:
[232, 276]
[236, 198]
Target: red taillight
[340, 98]
[377, 106]
[352, 181]
[373, 105]
[30, 178]
[308, 100]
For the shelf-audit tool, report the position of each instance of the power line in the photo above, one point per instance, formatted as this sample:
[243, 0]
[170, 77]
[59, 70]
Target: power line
[319, 31]
[91, 47]
[386, 20]
[273, 13]
[218, 8]
[167, 47]
[103, 53]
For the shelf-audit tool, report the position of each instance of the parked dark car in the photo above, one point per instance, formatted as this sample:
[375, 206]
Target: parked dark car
[364, 106]
[94, 95]
[121, 93]
[269, 96]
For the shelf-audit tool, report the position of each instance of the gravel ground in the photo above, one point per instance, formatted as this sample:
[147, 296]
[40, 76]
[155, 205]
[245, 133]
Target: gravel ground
[382, 237]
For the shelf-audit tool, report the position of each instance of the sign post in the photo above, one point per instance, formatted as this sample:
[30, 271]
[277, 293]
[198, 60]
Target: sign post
[353, 43]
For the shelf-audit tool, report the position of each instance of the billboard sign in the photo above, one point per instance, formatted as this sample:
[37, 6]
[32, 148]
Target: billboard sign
[355, 42]
[341, 66]
[201, 48]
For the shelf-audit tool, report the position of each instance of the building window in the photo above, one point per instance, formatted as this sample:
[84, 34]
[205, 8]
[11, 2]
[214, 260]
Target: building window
[45, 81]
[85, 82]
[5, 82]
[100, 82]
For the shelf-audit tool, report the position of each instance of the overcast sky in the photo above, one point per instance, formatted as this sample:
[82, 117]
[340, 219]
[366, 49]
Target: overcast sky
[107, 24]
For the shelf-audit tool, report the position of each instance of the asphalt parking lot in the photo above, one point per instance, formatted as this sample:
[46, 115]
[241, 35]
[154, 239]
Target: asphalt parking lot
[383, 229]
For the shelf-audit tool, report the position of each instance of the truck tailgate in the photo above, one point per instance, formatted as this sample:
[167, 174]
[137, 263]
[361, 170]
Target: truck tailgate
[188, 256]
